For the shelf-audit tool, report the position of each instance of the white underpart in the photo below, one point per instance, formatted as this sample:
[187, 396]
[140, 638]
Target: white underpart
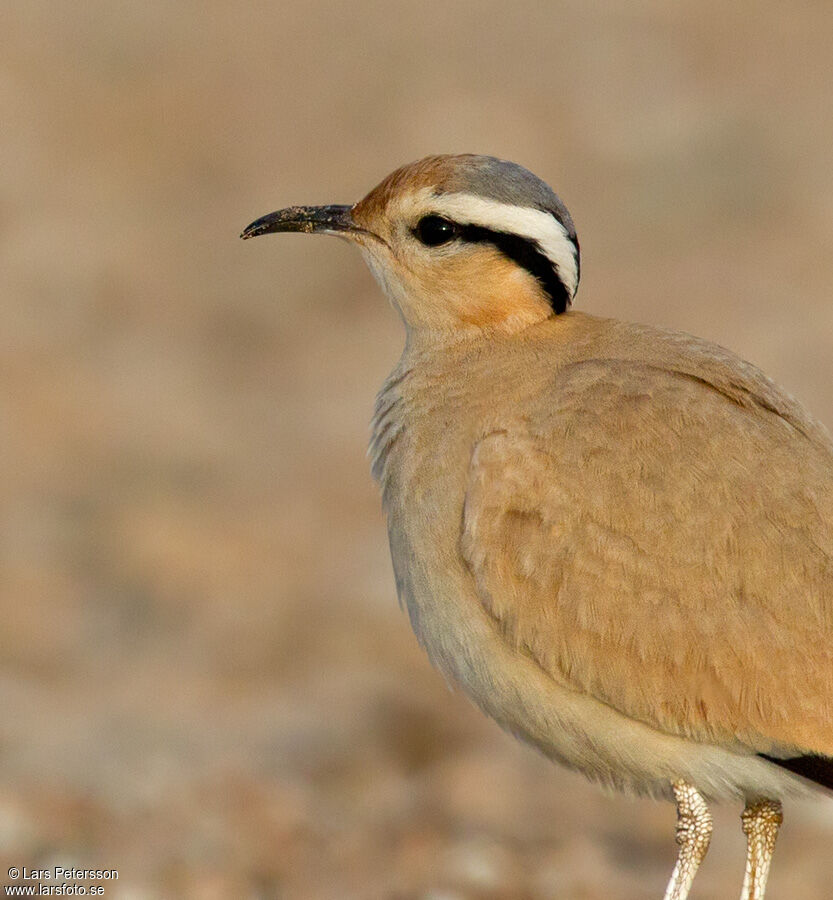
[533, 224]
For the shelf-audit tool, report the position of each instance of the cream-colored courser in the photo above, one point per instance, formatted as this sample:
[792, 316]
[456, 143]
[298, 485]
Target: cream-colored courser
[617, 539]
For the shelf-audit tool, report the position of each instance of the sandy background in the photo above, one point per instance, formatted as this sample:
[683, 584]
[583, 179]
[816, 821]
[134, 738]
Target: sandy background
[205, 680]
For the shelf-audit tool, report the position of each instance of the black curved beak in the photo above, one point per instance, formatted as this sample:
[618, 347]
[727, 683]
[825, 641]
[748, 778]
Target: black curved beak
[306, 219]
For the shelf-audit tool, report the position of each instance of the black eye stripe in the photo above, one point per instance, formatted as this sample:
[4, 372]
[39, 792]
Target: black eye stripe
[527, 253]
[435, 231]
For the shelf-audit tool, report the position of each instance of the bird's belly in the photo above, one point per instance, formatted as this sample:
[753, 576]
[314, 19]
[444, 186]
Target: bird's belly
[571, 727]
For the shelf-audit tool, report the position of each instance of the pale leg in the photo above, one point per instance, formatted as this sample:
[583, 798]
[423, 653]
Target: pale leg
[694, 831]
[761, 822]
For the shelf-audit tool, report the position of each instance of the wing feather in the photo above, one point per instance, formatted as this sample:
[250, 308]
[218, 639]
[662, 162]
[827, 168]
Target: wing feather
[663, 541]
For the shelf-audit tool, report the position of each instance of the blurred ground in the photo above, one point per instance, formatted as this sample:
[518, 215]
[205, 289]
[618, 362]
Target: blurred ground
[205, 679]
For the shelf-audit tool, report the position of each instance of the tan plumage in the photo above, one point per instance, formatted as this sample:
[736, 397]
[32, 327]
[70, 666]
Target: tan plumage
[658, 476]
[617, 539]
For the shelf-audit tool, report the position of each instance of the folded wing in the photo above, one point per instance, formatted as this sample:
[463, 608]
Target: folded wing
[663, 541]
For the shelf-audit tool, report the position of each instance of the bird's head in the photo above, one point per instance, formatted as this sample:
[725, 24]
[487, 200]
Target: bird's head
[459, 243]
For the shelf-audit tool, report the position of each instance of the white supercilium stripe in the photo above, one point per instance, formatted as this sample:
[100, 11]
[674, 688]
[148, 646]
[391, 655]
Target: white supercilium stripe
[535, 224]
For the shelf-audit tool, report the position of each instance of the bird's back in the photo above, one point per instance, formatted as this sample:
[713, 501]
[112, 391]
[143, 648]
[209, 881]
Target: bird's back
[647, 516]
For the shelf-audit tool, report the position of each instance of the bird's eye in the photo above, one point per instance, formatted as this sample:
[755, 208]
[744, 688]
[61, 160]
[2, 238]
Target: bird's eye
[435, 230]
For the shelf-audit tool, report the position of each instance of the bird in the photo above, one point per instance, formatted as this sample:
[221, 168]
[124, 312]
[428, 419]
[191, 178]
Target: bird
[616, 539]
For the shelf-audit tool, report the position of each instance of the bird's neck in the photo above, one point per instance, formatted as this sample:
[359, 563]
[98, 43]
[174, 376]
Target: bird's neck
[388, 421]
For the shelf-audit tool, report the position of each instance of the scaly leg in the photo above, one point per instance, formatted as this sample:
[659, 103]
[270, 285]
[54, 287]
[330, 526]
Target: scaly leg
[761, 822]
[694, 831]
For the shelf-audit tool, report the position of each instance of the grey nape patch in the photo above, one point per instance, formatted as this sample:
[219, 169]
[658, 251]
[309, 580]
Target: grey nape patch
[507, 182]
